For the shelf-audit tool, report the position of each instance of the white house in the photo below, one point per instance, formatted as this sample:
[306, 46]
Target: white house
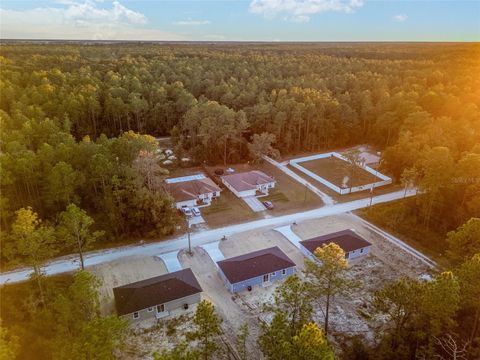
[248, 183]
[192, 190]
[352, 244]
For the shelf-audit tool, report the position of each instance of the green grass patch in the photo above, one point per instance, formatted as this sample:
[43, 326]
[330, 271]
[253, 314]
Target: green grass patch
[216, 207]
[275, 196]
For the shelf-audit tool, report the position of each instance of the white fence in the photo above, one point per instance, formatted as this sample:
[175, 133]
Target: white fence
[341, 190]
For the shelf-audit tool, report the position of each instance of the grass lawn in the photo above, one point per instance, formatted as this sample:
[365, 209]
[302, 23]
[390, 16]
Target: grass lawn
[335, 170]
[226, 210]
[288, 196]
[394, 217]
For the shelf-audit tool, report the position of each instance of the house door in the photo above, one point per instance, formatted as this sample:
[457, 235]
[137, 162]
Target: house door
[265, 278]
[160, 309]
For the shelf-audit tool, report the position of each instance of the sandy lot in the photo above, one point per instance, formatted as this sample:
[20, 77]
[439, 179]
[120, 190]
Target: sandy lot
[122, 272]
[386, 263]
[349, 315]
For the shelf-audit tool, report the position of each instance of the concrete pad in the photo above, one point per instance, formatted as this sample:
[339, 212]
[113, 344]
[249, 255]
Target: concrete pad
[171, 261]
[195, 220]
[289, 234]
[214, 252]
[254, 204]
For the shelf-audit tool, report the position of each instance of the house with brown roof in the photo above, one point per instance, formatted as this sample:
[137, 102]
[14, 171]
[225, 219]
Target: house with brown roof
[248, 183]
[193, 190]
[261, 267]
[157, 297]
[352, 244]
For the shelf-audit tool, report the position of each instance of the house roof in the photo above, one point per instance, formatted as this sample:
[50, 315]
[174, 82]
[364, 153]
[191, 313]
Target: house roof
[248, 180]
[155, 291]
[348, 240]
[254, 264]
[189, 190]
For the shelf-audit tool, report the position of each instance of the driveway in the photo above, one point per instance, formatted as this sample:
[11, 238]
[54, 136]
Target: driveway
[213, 251]
[289, 234]
[195, 220]
[171, 261]
[255, 204]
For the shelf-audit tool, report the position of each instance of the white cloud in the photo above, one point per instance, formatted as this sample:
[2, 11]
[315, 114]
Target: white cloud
[190, 22]
[400, 17]
[301, 10]
[79, 20]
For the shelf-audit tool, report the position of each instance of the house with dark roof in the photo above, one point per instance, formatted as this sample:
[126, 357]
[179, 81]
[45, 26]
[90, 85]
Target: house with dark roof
[192, 190]
[248, 183]
[261, 267]
[157, 297]
[352, 244]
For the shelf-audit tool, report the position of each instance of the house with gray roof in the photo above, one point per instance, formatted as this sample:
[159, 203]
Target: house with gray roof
[352, 244]
[157, 297]
[261, 267]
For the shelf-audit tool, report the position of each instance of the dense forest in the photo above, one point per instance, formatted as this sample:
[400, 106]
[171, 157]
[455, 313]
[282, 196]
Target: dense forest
[65, 109]
[78, 128]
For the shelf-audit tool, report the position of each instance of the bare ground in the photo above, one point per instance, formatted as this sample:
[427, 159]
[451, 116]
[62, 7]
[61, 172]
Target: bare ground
[122, 272]
[349, 315]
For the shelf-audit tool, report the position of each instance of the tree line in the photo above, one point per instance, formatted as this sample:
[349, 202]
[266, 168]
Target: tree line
[419, 104]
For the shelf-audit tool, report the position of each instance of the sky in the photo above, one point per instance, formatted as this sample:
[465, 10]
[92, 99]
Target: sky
[242, 20]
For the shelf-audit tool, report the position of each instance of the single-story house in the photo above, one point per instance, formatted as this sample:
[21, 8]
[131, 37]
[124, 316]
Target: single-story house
[248, 183]
[256, 268]
[189, 190]
[157, 297]
[352, 244]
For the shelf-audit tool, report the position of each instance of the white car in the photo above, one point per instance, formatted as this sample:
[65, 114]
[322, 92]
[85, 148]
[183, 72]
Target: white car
[186, 210]
[195, 211]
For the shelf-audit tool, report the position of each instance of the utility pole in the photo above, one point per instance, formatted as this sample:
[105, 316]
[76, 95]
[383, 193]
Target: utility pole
[373, 186]
[188, 234]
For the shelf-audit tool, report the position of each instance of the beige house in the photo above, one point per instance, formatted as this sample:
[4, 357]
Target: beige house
[157, 297]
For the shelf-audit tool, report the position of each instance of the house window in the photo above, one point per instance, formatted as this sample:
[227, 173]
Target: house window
[136, 315]
[274, 273]
[150, 309]
[347, 255]
[160, 308]
[284, 271]
[361, 250]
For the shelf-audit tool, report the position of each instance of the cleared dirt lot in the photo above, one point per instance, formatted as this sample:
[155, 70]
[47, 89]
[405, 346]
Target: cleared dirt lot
[349, 315]
[122, 272]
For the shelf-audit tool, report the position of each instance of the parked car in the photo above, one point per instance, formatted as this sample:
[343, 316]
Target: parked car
[186, 210]
[195, 211]
[268, 205]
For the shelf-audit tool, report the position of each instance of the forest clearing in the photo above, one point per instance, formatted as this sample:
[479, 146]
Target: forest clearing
[385, 264]
[110, 151]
